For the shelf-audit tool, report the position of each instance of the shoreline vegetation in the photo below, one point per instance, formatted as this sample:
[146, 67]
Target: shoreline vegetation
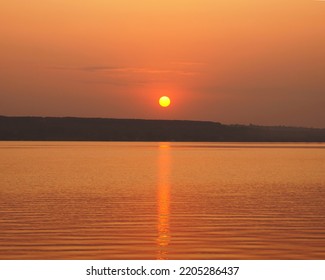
[105, 129]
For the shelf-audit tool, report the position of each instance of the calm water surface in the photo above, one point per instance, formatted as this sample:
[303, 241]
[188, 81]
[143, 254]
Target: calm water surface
[82, 200]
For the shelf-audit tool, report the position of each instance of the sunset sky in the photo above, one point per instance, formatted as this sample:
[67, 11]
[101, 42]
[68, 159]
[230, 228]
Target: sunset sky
[231, 61]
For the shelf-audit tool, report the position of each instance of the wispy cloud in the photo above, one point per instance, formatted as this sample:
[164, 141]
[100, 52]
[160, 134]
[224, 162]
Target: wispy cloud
[127, 70]
[188, 63]
[117, 82]
[126, 76]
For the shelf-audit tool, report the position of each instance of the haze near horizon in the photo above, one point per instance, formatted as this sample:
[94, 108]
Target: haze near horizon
[260, 62]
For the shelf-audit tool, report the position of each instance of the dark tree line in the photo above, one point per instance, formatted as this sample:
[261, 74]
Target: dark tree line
[97, 129]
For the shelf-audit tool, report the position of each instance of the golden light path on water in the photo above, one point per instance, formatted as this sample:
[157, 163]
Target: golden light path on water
[163, 201]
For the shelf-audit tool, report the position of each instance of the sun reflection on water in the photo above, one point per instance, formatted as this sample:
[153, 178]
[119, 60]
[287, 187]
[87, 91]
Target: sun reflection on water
[163, 201]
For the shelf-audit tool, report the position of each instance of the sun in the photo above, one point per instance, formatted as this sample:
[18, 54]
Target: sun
[164, 101]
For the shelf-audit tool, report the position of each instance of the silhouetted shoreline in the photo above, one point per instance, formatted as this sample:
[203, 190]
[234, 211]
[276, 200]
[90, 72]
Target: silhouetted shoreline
[101, 129]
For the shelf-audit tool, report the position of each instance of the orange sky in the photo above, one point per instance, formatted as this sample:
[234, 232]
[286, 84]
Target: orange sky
[232, 61]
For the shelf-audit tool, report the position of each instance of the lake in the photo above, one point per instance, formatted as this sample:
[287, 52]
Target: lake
[122, 200]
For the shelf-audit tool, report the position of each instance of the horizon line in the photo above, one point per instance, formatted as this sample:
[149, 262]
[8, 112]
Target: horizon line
[170, 120]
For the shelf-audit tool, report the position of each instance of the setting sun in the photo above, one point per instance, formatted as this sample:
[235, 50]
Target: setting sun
[164, 101]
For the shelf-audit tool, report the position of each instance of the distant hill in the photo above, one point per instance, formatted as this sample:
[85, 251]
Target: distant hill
[98, 129]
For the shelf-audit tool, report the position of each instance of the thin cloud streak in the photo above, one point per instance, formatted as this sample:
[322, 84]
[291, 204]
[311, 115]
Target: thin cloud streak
[188, 63]
[131, 70]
